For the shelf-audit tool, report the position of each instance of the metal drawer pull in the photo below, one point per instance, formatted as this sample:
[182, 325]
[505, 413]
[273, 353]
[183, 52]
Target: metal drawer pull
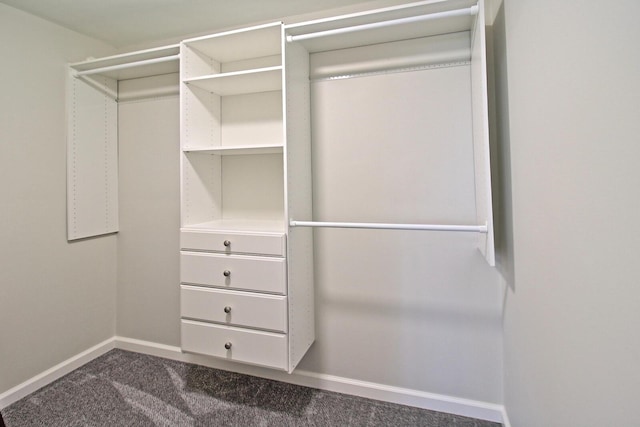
[227, 346]
[226, 273]
[227, 243]
[227, 309]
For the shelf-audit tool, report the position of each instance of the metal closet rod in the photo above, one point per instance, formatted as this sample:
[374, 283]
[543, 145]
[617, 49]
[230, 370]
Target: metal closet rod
[128, 65]
[371, 225]
[96, 85]
[469, 11]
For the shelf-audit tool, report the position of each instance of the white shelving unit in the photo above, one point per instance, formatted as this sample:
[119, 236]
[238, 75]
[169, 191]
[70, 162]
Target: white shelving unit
[232, 130]
[240, 82]
[239, 286]
[245, 158]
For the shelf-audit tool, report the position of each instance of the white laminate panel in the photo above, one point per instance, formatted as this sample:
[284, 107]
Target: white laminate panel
[236, 45]
[252, 119]
[240, 82]
[258, 243]
[481, 154]
[253, 186]
[92, 158]
[245, 308]
[261, 274]
[247, 346]
[298, 170]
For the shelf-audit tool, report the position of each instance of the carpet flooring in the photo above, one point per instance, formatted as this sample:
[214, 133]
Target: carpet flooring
[122, 388]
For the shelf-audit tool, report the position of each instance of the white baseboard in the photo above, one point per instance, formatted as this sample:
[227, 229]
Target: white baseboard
[505, 418]
[50, 375]
[403, 396]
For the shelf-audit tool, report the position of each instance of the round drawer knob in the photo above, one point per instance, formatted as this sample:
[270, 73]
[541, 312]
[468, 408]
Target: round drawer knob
[227, 243]
[226, 273]
[227, 346]
[227, 309]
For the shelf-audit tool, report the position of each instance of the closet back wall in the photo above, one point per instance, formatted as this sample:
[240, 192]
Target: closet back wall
[57, 299]
[149, 199]
[412, 309]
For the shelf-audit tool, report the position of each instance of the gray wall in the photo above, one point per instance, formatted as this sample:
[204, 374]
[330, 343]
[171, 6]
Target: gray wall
[148, 242]
[56, 299]
[571, 317]
[570, 82]
[419, 310]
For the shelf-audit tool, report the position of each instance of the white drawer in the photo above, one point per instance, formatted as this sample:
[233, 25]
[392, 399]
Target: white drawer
[261, 274]
[234, 308]
[247, 346]
[262, 243]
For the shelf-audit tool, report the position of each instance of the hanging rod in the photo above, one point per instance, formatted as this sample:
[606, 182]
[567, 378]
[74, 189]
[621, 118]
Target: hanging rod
[128, 65]
[419, 227]
[470, 11]
[96, 85]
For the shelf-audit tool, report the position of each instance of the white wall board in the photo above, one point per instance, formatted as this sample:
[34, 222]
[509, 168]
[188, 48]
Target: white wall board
[92, 158]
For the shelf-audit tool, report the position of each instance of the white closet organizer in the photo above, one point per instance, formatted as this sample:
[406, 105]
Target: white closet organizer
[246, 280]
[92, 136]
[415, 37]
[245, 158]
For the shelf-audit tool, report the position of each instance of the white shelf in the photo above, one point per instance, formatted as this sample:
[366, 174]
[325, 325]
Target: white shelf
[376, 35]
[240, 82]
[237, 151]
[238, 45]
[239, 225]
[135, 64]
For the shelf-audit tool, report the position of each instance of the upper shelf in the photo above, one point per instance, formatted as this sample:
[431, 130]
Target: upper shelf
[144, 63]
[237, 45]
[384, 25]
[240, 82]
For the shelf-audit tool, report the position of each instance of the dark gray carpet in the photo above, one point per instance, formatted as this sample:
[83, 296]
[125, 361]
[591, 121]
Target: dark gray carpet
[129, 389]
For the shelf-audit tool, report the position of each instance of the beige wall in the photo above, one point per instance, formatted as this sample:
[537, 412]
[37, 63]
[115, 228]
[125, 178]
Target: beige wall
[572, 312]
[56, 299]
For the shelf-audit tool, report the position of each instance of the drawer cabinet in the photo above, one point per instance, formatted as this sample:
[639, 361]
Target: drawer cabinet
[246, 278]
[237, 344]
[233, 298]
[230, 242]
[260, 274]
[246, 309]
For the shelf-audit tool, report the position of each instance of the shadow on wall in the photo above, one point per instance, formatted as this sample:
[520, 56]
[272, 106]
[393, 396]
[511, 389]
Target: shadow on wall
[501, 149]
[446, 314]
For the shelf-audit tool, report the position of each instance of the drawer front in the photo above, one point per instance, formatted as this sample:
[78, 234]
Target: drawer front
[261, 274]
[247, 346]
[265, 244]
[234, 308]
